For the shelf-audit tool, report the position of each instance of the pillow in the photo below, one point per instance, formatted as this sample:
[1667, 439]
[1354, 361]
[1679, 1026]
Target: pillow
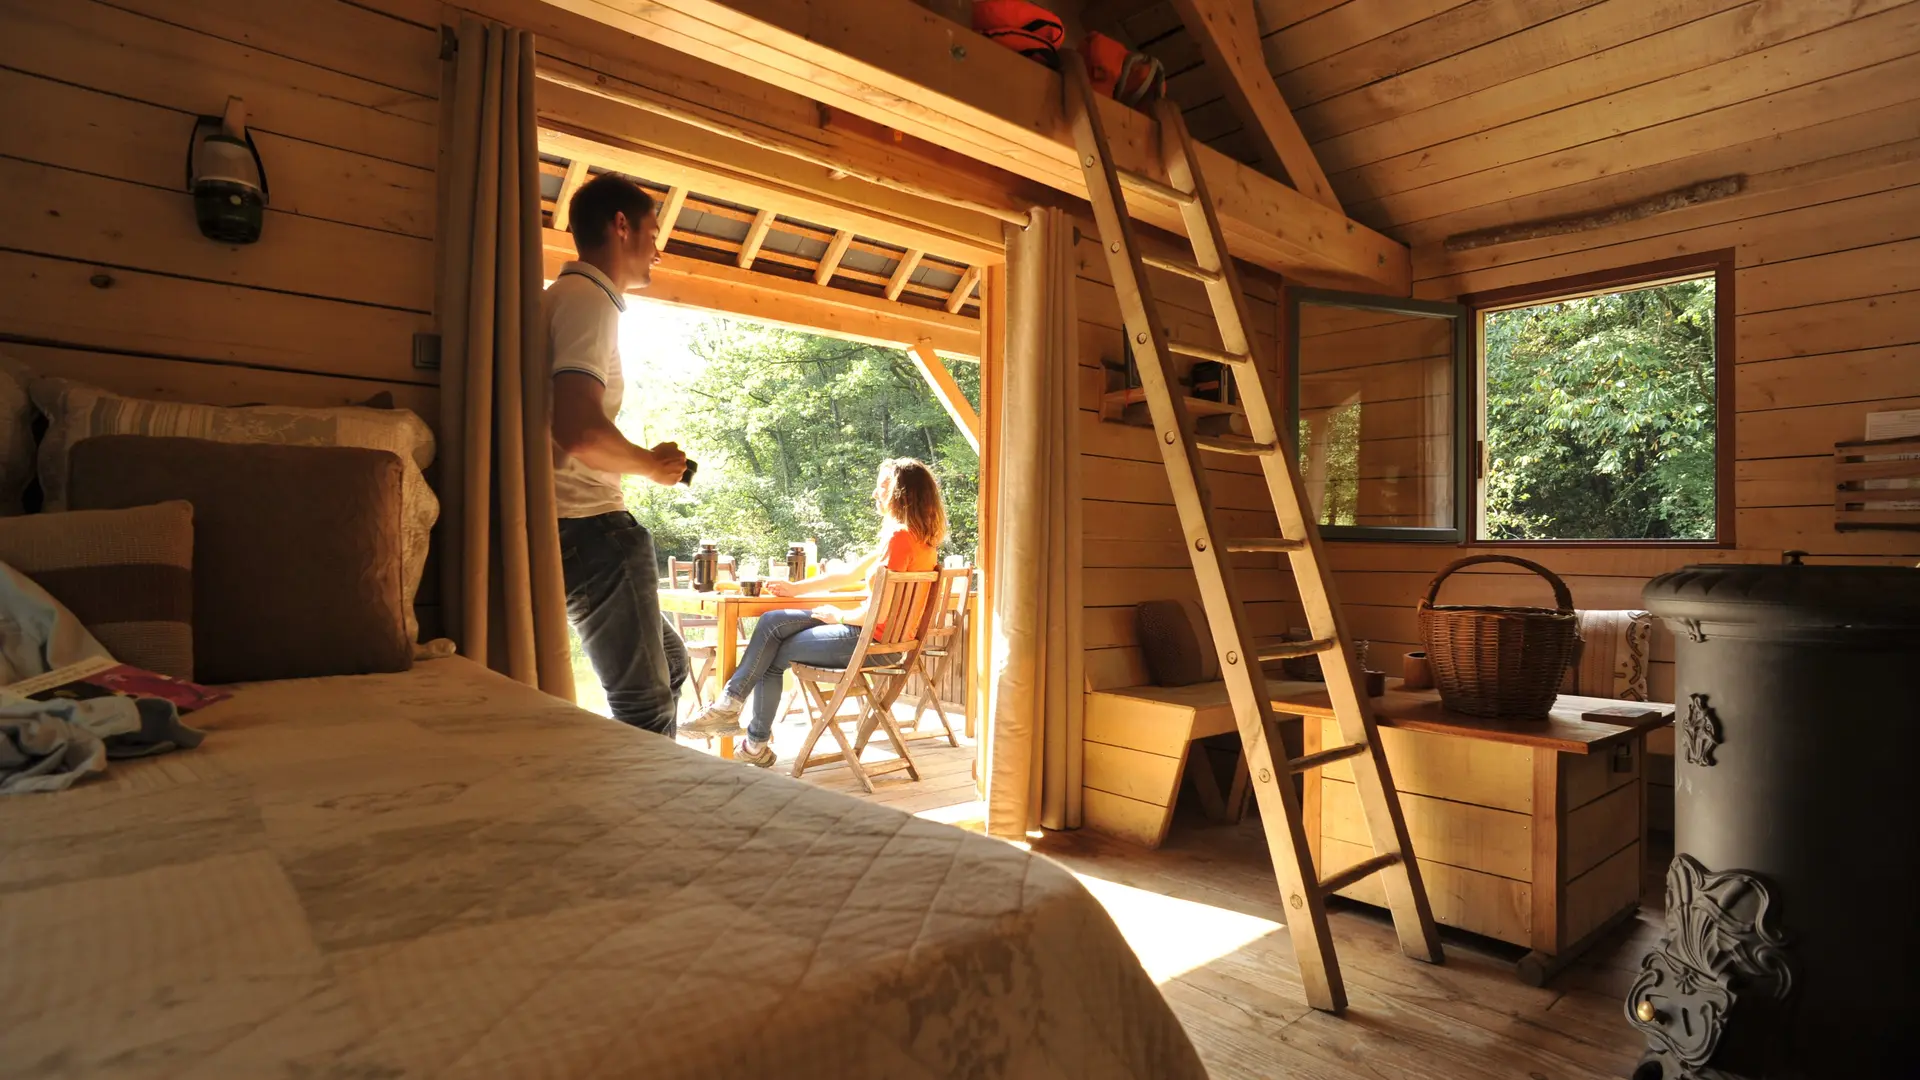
[1174, 639]
[76, 411]
[127, 575]
[297, 550]
[16, 433]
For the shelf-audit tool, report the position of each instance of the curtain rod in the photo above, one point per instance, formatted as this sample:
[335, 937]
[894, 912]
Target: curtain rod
[835, 168]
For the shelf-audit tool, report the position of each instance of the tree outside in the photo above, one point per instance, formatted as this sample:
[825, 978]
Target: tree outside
[1600, 417]
[789, 430]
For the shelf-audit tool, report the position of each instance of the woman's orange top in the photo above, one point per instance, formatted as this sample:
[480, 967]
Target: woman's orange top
[907, 553]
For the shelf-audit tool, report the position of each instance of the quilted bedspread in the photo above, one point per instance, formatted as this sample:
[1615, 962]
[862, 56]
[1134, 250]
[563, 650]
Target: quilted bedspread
[447, 874]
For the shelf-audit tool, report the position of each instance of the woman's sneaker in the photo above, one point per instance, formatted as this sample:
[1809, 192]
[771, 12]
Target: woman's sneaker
[722, 717]
[763, 757]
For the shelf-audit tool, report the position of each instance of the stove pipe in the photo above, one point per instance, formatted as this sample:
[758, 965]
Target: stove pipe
[1793, 942]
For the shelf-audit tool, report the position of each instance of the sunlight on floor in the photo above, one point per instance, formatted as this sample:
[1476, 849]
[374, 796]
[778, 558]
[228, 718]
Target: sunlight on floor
[1173, 936]
[970, 815]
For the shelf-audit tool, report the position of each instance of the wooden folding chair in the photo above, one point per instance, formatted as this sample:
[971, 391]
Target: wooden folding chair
[902, 607]
[935, 662]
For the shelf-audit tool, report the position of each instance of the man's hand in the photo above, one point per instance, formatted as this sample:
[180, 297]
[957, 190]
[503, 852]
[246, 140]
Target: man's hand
[669, 464]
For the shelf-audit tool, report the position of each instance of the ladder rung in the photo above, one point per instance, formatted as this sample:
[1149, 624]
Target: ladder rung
[1232, 444]
[1184, 269]
[1276, 544]
[1292, 650]
[1155, 188]
[1362, 869]
[1326, 757]
[1201, 352]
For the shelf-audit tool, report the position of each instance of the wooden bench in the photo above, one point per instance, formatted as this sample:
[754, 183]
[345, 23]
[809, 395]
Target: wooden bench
[1137, 742]
[1530, 832]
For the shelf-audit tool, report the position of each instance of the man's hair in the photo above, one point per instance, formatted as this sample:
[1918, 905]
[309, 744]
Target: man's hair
[598, 200]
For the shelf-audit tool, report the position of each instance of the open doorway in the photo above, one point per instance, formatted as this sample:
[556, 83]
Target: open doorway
[789, 359]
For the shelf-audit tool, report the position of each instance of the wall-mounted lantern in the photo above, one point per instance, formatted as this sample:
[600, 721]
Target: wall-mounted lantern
[224, 173]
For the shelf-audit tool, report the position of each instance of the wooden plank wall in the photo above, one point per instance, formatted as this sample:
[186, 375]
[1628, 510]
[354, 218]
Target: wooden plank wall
[1132, 545]
[1438, 117]
[1828, 331]
[102, 268]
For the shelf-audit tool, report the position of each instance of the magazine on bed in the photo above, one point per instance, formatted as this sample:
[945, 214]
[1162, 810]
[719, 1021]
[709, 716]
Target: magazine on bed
[106, 677]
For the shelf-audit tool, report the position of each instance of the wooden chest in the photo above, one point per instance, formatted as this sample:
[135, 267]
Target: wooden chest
[1528, 844]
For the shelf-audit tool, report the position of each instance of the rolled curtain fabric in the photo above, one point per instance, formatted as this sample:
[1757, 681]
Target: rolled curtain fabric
[1037, 694]
[502, 588]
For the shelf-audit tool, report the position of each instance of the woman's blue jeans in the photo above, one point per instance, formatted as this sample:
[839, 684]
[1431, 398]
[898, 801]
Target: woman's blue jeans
[781, 639]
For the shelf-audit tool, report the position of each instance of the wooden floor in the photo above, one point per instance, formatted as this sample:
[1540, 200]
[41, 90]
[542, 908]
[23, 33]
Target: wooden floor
[1203, 914]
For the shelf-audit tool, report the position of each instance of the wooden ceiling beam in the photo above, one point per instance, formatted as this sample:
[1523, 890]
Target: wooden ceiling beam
[1228, 33]
[895, 63]
[576, 175]
[801, 305]
[902, 272]
[830, 262]
[669, 215]
[963, 290]
[574, 124]
[756, 235]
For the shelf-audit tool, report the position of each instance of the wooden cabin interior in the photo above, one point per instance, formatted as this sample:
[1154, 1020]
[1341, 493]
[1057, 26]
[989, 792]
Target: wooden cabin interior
[400, 850]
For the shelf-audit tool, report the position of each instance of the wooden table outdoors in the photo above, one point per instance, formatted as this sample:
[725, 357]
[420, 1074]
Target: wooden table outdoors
[726, 609]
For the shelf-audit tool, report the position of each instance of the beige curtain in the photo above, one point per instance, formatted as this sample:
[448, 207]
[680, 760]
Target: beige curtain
[503, 592]
[1036, 704]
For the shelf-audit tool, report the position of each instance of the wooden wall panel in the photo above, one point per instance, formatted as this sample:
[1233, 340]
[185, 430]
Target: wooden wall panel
[1131, 537]
[105, 277]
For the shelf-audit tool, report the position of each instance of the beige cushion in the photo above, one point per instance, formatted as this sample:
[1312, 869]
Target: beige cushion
[1611, 658]
[76, 411]
[127, 575]
[297, 549]
[16, 433]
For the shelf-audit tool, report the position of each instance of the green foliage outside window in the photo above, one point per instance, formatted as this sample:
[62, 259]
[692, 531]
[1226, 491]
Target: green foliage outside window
[789, 430]
[1600, 417]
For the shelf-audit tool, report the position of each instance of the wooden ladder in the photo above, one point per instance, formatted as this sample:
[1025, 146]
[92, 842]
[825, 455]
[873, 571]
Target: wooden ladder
[1303, 889]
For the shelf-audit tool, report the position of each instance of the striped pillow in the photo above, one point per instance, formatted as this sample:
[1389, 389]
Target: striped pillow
[127, 575]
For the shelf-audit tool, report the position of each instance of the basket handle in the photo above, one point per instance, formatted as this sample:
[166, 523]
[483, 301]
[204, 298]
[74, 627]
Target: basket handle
[1561, 595]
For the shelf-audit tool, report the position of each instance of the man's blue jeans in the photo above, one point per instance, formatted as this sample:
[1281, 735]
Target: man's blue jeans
[780, 640]
[613, 601]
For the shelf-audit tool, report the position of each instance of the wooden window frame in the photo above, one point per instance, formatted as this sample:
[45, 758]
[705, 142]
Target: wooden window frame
[1463, 482]
[1719, 263]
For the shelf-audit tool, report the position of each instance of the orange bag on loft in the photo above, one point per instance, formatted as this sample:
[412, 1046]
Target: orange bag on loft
[1028, 29]
[1128, 77]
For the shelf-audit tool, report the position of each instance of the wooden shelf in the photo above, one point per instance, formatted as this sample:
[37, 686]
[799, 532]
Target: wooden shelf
[1855, 506]
[1114, 402]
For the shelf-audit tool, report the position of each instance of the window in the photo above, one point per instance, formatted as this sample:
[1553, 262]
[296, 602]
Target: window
[1603, 408]
[1379, 416]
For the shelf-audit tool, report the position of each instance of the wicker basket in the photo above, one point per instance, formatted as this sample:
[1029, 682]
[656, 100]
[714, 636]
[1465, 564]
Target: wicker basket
[1502, 662]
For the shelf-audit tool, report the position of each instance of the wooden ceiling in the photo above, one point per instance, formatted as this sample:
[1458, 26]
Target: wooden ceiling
[1437, 117]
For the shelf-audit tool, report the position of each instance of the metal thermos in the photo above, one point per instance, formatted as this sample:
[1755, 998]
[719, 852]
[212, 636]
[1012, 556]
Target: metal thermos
[706, 568]
[796, 562]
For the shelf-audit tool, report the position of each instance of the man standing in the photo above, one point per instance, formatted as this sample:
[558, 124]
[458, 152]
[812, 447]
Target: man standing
[613, 595]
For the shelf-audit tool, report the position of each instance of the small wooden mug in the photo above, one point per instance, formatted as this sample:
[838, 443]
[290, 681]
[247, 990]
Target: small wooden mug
[1417, 674]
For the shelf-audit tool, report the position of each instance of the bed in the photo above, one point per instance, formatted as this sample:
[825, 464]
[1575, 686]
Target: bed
[446, 873]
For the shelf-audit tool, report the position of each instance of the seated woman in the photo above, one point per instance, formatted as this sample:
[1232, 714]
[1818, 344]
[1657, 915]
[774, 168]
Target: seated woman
[913, 524]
